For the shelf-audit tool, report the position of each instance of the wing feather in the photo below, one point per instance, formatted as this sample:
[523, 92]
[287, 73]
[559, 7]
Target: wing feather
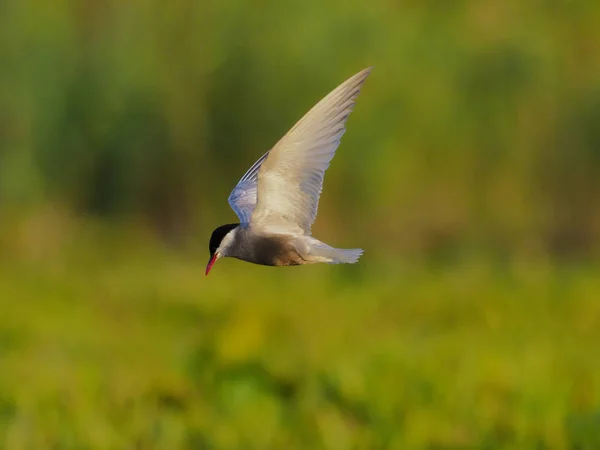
[243, 197]
[290, 176]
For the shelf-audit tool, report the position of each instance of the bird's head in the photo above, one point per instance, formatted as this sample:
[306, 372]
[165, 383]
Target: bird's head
[220, 241]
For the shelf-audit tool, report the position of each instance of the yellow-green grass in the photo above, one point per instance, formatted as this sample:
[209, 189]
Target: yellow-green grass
[115, 346]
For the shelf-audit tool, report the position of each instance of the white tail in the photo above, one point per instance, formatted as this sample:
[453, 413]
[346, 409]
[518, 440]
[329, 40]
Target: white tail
[345, 256]
[315, 251]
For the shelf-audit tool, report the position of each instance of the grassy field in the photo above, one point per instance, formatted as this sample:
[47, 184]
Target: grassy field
[110, 346]
[469, 173]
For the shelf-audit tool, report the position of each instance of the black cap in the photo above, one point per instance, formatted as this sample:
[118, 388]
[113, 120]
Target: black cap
[218, 235]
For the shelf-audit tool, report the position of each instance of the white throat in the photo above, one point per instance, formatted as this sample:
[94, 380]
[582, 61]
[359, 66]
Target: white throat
[227, 243]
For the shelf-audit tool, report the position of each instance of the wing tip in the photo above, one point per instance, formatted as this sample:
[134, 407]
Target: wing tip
[358, 79]
[365, 72]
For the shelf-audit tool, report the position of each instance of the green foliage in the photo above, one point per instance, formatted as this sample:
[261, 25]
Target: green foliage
[478, 127]
[132, 346]
[469, 173]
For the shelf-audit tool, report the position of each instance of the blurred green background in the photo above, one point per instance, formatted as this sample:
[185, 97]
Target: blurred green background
[469, 174]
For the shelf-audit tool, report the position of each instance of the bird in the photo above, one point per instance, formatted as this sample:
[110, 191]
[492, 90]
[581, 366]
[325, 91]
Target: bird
[277, 199]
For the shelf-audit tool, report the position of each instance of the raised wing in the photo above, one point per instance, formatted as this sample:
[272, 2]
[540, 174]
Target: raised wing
[243, 197]
[290, 178]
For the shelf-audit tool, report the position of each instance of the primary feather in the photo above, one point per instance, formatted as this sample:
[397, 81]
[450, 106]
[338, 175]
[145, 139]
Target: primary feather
[281, 191]
[290, 179]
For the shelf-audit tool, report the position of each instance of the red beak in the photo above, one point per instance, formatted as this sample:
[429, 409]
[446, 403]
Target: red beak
[211, 263]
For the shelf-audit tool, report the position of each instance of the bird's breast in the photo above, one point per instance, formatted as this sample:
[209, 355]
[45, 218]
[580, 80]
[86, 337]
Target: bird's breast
[270, 250]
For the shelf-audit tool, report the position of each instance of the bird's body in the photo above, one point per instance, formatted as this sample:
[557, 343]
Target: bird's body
[277, 199]
[277, 249]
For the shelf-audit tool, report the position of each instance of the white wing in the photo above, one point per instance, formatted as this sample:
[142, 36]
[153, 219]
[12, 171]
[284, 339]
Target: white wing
[243, 197]
[290, 178]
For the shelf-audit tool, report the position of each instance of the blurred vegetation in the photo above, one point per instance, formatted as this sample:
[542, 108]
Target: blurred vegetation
[469, 173]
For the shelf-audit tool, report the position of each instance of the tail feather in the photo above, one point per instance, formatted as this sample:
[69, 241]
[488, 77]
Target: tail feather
[330, 255]
[346, 256]
[315, 251]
